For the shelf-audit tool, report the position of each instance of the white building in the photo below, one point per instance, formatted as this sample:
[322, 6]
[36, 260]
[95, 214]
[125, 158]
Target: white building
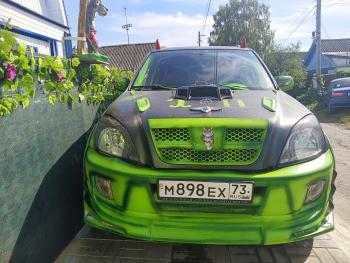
[41, 24]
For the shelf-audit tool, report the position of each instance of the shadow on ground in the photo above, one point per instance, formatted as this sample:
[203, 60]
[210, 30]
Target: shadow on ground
[93, 245]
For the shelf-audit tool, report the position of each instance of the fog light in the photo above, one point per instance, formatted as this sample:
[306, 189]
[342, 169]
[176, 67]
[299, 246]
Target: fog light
[104, 187]
[314, 191]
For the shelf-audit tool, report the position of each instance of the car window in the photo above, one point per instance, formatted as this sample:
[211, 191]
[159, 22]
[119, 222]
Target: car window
[342, 83]
[234, 68]
[242, 68]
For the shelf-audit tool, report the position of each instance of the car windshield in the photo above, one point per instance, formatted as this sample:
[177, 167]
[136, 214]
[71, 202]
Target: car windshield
[235, 69]
[341, 83]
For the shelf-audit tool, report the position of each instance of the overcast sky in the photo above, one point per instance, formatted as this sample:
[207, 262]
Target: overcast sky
[177, 22]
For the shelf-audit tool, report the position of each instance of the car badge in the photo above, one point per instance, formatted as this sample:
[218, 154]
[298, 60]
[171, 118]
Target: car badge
[206, 106]
[206, 102]
[208, 138]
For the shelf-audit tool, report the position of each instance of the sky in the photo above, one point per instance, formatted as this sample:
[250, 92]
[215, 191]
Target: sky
[177, 22]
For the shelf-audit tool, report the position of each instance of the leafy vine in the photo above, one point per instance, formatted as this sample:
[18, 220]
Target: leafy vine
[22, 74]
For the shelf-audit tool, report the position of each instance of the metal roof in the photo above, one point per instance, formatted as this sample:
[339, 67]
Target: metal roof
[335, 45]
[127, 57]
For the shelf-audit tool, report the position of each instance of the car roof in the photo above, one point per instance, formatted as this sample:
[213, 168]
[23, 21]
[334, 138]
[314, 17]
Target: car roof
[341, 79]
[201, 48]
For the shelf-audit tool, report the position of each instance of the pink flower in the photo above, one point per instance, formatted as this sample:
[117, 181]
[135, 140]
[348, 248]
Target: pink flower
[59, 77]
[11, 72]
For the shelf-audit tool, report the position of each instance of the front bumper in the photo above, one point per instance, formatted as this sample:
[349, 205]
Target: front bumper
[276, 215]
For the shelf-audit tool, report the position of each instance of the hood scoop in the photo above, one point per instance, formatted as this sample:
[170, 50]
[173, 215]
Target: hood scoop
[202, 92]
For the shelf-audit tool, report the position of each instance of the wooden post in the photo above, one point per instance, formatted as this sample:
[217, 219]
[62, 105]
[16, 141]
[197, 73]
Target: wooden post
[82, 26]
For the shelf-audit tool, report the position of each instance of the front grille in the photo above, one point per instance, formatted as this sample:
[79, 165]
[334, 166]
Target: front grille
[171, 135]
[243, 135]
[229, 156]
[240, 145]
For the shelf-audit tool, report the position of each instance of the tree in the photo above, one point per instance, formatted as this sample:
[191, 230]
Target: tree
[243, 18]
[287, 61]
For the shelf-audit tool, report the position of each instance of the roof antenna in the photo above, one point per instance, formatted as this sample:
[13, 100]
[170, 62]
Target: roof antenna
[126, 26]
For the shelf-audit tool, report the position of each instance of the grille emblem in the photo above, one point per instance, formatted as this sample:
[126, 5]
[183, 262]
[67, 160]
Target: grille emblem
[208, 138]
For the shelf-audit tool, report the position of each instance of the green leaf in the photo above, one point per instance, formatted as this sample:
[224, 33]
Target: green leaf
[50, 86]
[6, 85]
[75, 62]
[52, 100]
[22, 49]
[72, 98]
[30, 92]
[2, 73]
[15, 85]
[10, 103]
[63, 98]
[4, 110]
[27, 80]
[23, 100]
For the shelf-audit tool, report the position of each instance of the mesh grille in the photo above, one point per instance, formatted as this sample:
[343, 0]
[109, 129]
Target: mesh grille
[171, 135]
[187, 155]
[243, 135]
[240, 146]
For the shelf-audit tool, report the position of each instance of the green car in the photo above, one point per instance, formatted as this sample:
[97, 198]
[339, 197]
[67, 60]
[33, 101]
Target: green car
[203, 147]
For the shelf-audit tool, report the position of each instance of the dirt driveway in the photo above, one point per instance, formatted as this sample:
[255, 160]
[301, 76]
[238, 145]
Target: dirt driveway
[97, 246]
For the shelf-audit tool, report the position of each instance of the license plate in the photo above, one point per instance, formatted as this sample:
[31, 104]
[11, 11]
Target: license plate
[206, 191]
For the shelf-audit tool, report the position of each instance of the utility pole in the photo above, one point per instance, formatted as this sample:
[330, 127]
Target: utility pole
[82, 26]
[200, 38]
[127, 26]
[318, 43]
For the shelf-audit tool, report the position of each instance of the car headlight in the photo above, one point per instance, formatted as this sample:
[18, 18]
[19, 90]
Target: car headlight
[111, 138]
[305, 142]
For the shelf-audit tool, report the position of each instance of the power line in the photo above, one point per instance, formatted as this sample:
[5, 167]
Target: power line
[206, 16]
[307, 16]
[325, 30]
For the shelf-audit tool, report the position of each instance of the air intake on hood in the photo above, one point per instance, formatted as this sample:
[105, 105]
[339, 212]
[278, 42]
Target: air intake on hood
[203, 92]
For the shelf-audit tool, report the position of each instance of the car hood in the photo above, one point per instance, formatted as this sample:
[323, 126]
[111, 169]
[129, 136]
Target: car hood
[280, 110]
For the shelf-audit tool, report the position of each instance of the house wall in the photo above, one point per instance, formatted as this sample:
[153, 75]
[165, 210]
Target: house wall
[37, 6]
[325, 64]
[43, 46]
[340, 62]
[33, 24]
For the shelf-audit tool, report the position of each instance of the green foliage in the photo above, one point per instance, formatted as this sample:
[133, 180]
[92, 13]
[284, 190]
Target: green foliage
[286, 61]
[56, 77]
[343, 73]
[243, 18]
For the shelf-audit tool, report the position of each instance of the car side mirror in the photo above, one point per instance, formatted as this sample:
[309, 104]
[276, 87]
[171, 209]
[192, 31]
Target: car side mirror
[285, 83]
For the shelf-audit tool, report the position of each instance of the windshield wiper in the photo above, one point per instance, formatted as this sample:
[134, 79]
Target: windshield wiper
[153, 87]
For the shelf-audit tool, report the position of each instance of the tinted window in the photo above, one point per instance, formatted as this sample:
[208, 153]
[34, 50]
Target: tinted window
[342, 83]
[203, 67]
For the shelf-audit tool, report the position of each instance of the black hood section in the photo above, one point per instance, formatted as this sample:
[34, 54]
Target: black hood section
[245, 104]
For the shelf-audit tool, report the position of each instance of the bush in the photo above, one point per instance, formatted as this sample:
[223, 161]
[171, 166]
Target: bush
[22, 74]
[343, 73]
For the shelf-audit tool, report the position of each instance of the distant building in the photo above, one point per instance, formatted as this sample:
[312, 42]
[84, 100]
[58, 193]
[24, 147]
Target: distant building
[335, 55]
[40, 24]
[127, 57]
